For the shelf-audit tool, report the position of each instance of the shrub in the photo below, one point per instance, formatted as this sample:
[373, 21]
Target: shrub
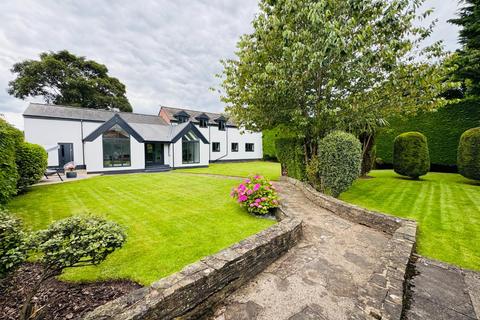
[442, 129]
[410, 155]
[73, 242]
[31, 164]
[257, 194]
[313, 172]
[13, 244]
[469, 154]
[339, 162]
[10, 138]
[291, 155]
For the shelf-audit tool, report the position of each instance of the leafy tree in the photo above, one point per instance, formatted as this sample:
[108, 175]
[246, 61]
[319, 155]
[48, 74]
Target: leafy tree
[468, 57]
[64, 78]
[322, 65]
[73, 242]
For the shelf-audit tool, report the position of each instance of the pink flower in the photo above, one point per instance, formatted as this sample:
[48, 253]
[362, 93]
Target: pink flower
[256, 187]
[252, 204]
[242, 198]
[249, 192]
[257, 177]
[241, 187]
[258, 200]
[247, 180]
[264, 199]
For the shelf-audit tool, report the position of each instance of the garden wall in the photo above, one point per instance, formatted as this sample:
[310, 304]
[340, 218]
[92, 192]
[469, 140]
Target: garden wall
[383, 297]
[194, 291]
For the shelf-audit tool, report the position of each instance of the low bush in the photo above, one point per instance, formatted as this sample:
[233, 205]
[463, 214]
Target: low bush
[73, 242]
[31, 163]
[410, 155]
[469, 154]
[13, 243]
[339, 162]
[291, 155]
[257, 194]
[10, 138]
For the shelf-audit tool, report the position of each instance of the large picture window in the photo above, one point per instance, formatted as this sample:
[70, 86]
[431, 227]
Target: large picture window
[190, 148]
[116, 147]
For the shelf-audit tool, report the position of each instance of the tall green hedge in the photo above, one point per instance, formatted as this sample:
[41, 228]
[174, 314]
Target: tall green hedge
[10, 138]
[290, 153]
[442, 129]
[31, 164]
[469, 154]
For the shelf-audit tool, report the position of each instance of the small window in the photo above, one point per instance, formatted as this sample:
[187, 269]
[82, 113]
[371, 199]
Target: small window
[216, 146]
[203, 123]
[234, 147]
[249, 147]
[182, 119]
[221, 126]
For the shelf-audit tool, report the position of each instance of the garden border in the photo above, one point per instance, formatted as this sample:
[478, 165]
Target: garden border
[384, 295]
[193, 292]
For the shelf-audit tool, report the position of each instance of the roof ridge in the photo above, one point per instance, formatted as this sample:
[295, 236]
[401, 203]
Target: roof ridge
[186, 109]
[91, 109]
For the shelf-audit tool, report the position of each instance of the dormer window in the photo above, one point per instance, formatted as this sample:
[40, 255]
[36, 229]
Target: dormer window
[203, 123]
[221, 125]
[182, 119]
[182, 116]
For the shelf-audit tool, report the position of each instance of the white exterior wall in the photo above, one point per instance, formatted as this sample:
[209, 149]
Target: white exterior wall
[50, 132]
[94, 156]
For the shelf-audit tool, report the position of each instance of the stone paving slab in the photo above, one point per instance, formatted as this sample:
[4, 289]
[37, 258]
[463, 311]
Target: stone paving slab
[440, 291]
[320, 278]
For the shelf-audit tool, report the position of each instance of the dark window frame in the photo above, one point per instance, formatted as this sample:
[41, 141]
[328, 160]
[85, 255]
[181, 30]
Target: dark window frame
[221, 126]
[203, 123]
[236, 146]
[182, 119]
[249, 144]
[110, 145]
[213, 146]
[190, 143]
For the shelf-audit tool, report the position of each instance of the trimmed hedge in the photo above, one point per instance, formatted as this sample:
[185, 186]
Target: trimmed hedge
[339, 162]
[13, 243]
[469, 154]
[291, 156]
[410, 155]
[442, 129]
[31, 164]
[10, 138]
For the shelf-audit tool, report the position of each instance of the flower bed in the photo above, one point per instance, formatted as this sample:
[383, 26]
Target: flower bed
[257, 194]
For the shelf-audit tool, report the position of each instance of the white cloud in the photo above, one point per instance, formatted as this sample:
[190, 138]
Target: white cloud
[166, 52]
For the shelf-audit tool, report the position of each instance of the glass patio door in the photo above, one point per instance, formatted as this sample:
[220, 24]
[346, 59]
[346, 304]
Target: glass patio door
[154, 154]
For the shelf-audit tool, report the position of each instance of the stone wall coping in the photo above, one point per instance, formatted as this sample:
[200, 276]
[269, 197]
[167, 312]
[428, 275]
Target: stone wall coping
[383, 296]
[192, 292]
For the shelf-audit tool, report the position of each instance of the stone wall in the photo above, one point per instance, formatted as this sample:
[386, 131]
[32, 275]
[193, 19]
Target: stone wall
[383, 296]
[192, 292]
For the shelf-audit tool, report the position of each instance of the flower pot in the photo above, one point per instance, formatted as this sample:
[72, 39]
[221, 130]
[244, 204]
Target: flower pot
[71, 174]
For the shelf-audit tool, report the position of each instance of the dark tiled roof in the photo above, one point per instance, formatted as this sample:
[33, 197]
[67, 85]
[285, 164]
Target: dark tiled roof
[72, 113]
[194, 114]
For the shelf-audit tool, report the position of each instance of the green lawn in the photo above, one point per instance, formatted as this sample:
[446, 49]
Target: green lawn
[270, 170]
[172, 219]
[446, 207]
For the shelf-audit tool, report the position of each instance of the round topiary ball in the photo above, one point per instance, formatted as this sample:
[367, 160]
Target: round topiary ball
[468, 158]
[410, 155]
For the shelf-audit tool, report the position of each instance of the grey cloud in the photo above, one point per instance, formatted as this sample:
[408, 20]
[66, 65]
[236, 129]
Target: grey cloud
[166, 52]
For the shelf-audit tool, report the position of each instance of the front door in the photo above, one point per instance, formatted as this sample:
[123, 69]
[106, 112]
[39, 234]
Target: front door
[154, 154]
[65, 153]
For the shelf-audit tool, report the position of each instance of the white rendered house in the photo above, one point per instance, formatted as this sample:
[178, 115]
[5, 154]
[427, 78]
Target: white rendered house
[109, 141]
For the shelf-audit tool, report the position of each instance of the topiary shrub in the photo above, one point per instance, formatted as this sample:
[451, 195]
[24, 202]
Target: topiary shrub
[410, 155]
[469, 154]
[13, 243]
[339, 162]
[31, 163]
[290, 154]
[10, 138]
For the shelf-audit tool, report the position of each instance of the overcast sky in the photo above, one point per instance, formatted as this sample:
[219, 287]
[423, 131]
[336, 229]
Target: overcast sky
[165, 52]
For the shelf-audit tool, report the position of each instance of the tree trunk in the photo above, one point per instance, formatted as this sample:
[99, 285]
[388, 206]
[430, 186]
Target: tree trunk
[368, 152]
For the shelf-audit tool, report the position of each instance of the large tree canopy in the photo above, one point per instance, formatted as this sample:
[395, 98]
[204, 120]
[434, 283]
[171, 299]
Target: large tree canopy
[323, 65]
[64, 78]
[468, 57]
